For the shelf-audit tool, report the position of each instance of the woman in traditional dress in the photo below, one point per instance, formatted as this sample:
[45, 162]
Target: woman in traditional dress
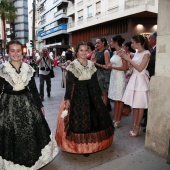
[137, 90]
[26, 142]
[88, 126]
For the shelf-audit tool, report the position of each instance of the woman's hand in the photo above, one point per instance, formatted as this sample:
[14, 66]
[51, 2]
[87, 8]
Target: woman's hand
[125, 56]
[93, 59]
[109, 66]
[43, 111]
[67, 104]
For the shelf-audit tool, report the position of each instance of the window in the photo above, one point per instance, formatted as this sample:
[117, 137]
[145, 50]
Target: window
[89, 11]
[80, 15]
[98, 7]
[113, 3]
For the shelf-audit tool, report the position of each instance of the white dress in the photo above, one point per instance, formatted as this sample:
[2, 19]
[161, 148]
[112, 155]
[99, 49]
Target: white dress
[137, 91]
[117, 79]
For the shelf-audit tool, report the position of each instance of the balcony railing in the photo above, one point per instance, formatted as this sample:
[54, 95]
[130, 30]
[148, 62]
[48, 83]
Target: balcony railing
[43, 21]
[52, 30]
[133, 3]
[62, 11]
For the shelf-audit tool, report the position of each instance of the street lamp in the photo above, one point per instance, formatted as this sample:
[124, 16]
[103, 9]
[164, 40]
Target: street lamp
[24, 51]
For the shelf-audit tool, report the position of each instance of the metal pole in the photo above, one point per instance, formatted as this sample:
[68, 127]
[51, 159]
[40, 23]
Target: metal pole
[33, 23]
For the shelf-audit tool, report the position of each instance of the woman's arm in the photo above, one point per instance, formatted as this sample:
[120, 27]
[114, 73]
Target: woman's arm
[124, 66]
[136, 66]
[69, 87]
[33, 90]
[1, 84]
[106, 58]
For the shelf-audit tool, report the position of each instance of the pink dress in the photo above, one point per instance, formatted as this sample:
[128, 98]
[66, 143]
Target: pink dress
[137, 90]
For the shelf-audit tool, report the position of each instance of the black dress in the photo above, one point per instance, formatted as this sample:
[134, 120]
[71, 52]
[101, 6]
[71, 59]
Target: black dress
[103, 75]
[25, 138]
[88, 127]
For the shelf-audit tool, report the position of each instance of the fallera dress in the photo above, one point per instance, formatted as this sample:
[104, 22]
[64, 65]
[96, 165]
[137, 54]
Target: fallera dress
[88, 127]
[117, 79]
[137, 91]
[26, 142]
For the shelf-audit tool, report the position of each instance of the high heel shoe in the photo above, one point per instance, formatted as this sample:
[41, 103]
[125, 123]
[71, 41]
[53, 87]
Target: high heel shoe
[134, 125]
[117, 124]
[136, 132]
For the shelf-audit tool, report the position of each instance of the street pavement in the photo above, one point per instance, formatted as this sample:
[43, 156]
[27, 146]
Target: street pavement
[125, 153]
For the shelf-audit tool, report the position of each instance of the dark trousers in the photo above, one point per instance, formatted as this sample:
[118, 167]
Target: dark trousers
[46, 78]
[145, 116]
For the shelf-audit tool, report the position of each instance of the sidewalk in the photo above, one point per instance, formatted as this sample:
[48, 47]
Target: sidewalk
[140, 160]
[125, 152]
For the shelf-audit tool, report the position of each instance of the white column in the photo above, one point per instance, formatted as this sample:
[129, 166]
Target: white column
[158, 126]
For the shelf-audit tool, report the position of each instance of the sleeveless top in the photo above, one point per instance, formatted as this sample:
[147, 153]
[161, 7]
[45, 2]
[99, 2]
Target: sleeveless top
[100, 57]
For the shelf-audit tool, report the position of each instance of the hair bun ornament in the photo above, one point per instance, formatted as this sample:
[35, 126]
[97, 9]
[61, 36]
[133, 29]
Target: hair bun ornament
[64, 113]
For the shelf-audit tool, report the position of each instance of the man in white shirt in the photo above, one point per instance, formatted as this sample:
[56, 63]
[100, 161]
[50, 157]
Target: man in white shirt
[44, 61]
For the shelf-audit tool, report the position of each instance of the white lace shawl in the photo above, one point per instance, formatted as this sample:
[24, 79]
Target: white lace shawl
[80, 71]
[17, 80]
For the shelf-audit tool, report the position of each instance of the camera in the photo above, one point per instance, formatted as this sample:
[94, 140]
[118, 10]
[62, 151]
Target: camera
[42, 68]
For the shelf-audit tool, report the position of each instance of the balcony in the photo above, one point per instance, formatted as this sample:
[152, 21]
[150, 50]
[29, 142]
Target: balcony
[41, 10]
[60, 2]
[53, 30]
[70, 10]
[43, 21]
[60, 14]
[134, 3]
[41, 2]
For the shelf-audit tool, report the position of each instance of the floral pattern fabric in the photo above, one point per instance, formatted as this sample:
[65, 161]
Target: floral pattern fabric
[117, 80]
[25, 138]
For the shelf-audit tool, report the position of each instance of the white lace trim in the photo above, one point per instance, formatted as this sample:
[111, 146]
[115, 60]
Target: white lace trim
[80, 71]
[17, 80]
[48, 153]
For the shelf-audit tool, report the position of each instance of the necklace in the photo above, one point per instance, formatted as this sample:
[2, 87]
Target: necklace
[82, 62]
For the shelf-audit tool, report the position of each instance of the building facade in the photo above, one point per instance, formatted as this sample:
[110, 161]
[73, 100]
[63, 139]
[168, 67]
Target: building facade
[52, 25]
[89, 19]
[21, 22]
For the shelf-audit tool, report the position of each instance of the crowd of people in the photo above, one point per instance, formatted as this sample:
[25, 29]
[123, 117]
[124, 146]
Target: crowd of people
[95, 75]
